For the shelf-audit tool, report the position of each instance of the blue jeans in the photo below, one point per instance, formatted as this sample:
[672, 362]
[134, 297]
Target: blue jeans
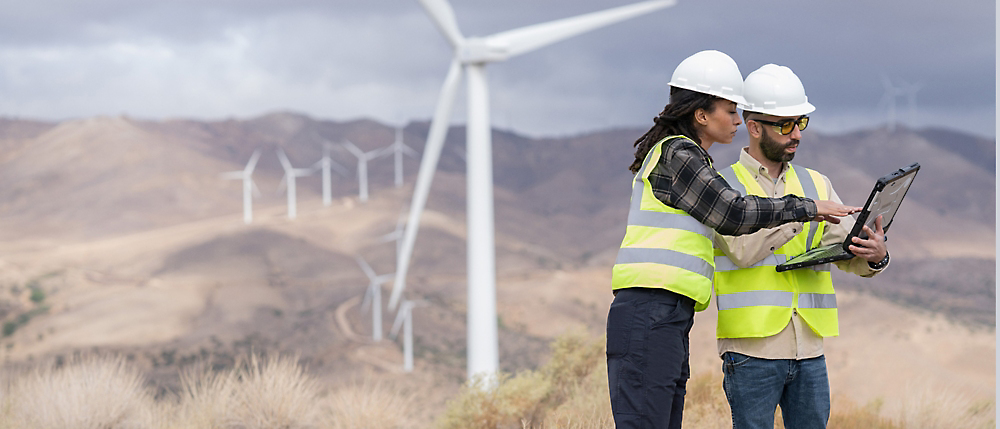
[648, 357]
[755, 387]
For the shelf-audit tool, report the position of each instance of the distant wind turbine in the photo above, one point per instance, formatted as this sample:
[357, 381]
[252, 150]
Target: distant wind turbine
[892, 92]
[398, 149]
[404, 319]
[289, 180]
[396, 235]
[325, 164]
[363, 158]
[471, 57]
[249, 187]
[373, 296]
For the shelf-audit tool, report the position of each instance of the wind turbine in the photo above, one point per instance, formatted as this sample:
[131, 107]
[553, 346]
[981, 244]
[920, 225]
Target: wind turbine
[249, 187]
[373, 296]
[910, 92]
[289, 183]
[363, 158]
[396, 235]
[325, 164]
[471, 57]
[398, 148]
[404, 319]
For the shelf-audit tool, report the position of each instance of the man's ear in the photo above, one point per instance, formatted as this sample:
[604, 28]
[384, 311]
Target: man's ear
[754, 128]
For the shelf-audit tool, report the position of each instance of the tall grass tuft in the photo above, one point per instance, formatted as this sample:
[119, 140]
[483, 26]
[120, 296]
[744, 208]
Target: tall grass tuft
[273, 393]
[369, 404]
[207, 399]
[89, 392]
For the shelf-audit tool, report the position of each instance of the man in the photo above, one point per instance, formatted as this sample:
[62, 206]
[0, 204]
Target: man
[771, 325]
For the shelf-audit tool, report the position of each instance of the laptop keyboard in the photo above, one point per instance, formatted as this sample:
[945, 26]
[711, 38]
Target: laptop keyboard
[823, 252]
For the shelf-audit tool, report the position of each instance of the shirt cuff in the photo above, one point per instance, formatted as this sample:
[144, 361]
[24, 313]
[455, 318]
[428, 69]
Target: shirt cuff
[811, 209]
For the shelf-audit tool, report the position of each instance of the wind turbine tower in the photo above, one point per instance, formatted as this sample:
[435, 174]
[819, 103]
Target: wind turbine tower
[290, 175]
[373, 296]
[404, 318]
[325, 164]
[363, 158]
[398, 148]
[471, 55]
[249, 187]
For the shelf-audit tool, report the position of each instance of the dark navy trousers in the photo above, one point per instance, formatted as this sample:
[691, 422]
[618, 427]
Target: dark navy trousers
[648, 357]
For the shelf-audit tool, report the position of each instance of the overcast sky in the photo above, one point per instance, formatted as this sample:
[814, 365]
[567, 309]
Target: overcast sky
[348, 59]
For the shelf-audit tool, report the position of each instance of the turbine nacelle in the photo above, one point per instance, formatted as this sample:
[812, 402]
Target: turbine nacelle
[477, 50]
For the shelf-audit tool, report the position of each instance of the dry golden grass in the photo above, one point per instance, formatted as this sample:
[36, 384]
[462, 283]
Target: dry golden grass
[369, 404]
[86, 392]
[570, 391]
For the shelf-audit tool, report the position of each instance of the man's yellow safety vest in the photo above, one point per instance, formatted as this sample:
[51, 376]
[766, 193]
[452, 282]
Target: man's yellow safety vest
[664, 247]
[758, 301]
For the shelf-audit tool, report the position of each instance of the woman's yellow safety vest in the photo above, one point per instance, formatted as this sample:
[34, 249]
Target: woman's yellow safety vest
[663, 247]
[758, 301]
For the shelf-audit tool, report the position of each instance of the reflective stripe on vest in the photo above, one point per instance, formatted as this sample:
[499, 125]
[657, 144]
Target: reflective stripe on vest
[664, 247]
[757, 301]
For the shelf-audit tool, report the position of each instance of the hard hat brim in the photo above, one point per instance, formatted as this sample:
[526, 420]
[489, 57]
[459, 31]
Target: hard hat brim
[796, 110]
[738, 99]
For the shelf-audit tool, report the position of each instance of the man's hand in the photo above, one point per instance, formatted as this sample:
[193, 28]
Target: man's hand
[830, 211]
[872, 249]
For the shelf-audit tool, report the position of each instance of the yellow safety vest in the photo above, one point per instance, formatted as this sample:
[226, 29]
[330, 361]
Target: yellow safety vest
[664, 247]
[758, 301]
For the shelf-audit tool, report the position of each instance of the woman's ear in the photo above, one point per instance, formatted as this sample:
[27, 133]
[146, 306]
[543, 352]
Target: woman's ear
[701, 117]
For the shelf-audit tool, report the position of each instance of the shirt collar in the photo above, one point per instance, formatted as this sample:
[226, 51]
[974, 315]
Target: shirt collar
[757, 169]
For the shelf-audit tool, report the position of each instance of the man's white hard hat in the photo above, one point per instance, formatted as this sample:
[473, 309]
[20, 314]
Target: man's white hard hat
[775, 90]
[710, 72]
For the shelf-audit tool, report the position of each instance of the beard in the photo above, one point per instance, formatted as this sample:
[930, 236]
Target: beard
[775, 151]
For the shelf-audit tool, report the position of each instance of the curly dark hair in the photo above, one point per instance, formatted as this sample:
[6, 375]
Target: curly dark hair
[677, 118]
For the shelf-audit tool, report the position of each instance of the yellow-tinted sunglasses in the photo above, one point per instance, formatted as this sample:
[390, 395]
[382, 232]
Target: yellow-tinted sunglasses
[785, 126]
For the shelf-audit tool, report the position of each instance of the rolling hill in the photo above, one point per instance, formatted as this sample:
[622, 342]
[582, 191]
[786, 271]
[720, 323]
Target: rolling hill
[121, 236]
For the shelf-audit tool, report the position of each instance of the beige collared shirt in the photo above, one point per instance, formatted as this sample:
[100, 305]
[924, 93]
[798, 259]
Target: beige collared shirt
[797, 340]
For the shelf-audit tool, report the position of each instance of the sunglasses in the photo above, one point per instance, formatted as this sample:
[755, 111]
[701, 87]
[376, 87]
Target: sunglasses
[785, 127]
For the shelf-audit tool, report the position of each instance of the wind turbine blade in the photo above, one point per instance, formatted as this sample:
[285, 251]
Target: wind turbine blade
[354, 150]
[283, 183]
[400, 316]
[285, 164]
[384, 278]
[428, 165]
[366, 268]
[252, 163]
[529, 38]
[367, 300]
[256, 190]
[409, 150]
[338, 168]
[231, 175]
[444, 16]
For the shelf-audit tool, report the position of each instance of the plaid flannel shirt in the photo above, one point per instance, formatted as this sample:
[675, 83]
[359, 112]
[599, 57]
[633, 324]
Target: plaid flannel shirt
[684, 178]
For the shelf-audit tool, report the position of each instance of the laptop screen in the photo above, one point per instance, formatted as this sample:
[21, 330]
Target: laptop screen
[886, 197]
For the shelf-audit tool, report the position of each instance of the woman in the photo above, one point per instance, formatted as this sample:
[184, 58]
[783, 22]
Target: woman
[663, 273]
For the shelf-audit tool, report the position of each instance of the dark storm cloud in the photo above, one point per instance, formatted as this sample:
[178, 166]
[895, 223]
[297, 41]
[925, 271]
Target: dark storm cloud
[385, 59]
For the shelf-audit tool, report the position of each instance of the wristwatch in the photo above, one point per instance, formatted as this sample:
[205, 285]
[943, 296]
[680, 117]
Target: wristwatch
[880, 264]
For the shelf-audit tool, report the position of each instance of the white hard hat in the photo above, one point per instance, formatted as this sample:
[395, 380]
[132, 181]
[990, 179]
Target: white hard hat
[775, 90]
[710, 72]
